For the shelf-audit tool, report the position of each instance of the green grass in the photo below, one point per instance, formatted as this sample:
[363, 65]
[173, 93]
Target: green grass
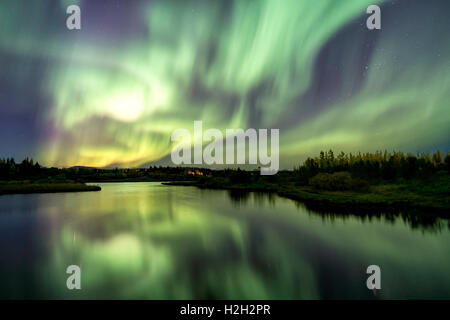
[13, 187]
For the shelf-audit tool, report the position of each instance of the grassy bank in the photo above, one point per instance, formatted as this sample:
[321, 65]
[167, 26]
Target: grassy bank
[416, 196]
[385, 198]
[12, 187]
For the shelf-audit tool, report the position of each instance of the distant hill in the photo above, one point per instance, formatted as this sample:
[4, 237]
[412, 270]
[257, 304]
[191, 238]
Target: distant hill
[167, 162]
[82, 167]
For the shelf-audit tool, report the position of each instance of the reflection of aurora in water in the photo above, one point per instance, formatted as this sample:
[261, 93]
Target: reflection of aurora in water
[145, 240]
[113, 92]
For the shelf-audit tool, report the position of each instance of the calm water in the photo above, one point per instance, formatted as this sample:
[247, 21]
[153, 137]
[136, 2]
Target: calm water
[147, 240]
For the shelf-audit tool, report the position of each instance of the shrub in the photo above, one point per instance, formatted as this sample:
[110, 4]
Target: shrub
[337, 181]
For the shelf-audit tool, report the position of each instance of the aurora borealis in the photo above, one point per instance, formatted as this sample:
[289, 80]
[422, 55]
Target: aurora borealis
[112, 93]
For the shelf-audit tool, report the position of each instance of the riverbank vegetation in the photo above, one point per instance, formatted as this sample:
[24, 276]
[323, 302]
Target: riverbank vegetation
[365, 182]
[14, 187]
[30, 177]
[362, 181]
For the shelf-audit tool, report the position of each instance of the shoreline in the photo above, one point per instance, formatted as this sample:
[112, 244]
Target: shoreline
[342, 201]
[30, 188]
[385, 198]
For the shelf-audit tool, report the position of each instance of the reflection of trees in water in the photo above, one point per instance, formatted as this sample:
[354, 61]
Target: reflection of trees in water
[416, 220]
[238, 197]
[241, 198]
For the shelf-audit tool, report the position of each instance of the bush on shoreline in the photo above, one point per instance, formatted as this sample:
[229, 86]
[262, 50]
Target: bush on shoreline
[338, 181]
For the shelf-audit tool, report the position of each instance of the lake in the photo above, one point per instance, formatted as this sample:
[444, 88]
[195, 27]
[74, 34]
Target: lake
[151, 241]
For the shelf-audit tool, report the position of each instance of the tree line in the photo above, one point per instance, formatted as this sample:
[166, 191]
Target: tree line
[10, 169]
[367, 166]
[375, 166]
[30, 170]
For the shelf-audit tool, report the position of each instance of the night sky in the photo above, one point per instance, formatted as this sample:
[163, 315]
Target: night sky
[112, 93]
